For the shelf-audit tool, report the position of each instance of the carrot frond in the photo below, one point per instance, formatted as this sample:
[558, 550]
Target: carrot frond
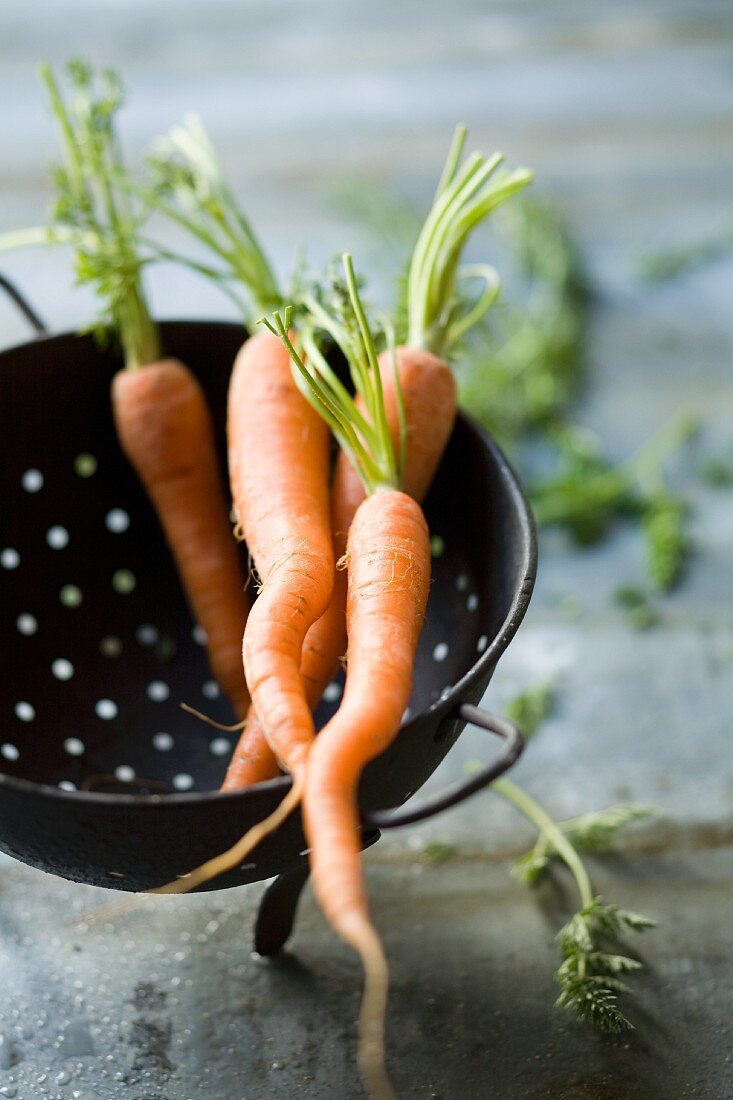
[93, 213]
[362, 433]
[466, 194]
[188, 188]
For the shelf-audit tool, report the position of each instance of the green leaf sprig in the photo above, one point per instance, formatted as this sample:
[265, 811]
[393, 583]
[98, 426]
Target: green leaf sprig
[188, 187]
[588, 973]
[362, 432]
[467, 193]
[93, 213]
[588, 494]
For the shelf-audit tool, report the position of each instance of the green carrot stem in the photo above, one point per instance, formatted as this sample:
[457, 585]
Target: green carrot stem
[549, 829]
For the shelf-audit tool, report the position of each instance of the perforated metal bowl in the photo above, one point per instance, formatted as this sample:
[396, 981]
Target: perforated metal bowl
[105, 780]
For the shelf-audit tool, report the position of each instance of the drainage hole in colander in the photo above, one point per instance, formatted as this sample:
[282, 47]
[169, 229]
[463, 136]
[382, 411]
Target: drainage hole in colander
[117, 521]
[62, 669]
[25, 711]
[110, 646]
[106, 709]
[32, 481]
[158, 691]
[27, 624]
[124, 581]
[73, 746]
[482, 643]
[10, 752]
[333, 692]
[9, 558]
[147, 634]
[124, 773]
[57, 537]
[182, 781]
[71, 595]
[85, 465]
[163, 742]
[437, 546]
[210, 689]
[220, 746]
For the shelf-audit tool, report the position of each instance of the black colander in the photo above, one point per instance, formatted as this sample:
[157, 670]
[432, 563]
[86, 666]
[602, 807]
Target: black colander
[104, 779]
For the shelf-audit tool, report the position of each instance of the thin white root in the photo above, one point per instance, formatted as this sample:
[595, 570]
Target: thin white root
[371, 1056]
[220, 864]
[210, 721]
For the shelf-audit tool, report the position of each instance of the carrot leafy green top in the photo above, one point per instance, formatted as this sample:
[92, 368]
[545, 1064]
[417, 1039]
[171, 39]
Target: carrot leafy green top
[363, 433]
[466, 194]
[189, 188]
[92, 213]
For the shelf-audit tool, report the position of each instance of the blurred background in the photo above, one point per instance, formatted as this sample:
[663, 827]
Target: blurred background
[332, 121]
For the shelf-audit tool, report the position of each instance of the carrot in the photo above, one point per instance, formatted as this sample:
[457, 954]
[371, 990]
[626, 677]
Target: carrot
[160, 411]
[388, 575]
[164, 427]
[279, 449]
[388, 563]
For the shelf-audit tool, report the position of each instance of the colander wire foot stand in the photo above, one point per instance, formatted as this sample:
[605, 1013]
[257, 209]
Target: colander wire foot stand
[276, 914]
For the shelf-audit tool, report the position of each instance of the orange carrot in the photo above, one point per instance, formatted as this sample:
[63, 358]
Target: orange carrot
[388, 563]
[279, 463]
[165, 429]
[389, 569]
[279, 450]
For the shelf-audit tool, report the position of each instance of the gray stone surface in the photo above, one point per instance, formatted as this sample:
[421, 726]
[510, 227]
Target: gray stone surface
[625, 113]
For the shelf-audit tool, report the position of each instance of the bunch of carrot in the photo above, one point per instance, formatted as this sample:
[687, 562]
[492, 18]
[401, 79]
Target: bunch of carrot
[342, 553]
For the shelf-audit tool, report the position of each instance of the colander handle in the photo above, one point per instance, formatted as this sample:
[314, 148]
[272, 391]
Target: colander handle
[23, 305]
[512, 750]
